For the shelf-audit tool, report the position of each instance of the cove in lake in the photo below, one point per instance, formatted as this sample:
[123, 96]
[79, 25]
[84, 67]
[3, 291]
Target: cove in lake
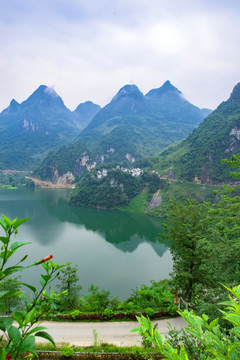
[114, 250]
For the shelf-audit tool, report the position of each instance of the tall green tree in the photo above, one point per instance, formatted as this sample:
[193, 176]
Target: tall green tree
[187, 231]
[205, 241]
[69, 281]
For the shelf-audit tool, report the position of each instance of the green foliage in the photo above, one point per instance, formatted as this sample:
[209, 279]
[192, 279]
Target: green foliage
[69, 283]
[187, 231]
[156, 297]
[67, 158]
[33, 128]
[75, 313]
[67, 350]
[178, 338]
[211, 341]
[205, 243]
[17, 339]
[12, 300]
[200, 154]
[179, 191]
[140, 125]
[117, 188]
[138, 204]
[98, 300]
[108, 313]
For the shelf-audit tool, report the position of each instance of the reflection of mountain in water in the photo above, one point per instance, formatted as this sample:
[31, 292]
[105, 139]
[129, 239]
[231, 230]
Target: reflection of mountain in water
[49, 211]
[132, 244]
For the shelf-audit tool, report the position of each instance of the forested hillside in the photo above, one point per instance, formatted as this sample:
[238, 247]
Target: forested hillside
[198, 157]
[113, 188]
[28, 131]
[133, 126]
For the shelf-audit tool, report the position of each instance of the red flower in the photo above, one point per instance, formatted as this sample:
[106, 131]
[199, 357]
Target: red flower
[44, 259]
[8, 357]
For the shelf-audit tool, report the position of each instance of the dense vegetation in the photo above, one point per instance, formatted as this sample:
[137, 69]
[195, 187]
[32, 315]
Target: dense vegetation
[205, 245]
[130, 127]
[117, 188]
[68, 158]
[141, 125]
[39, 124]
[200, 154]
[157, 297]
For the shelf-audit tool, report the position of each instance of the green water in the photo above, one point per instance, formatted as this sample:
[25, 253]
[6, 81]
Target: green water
[114, 250]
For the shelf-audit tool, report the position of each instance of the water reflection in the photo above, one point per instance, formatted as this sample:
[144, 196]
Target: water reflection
[115, 250]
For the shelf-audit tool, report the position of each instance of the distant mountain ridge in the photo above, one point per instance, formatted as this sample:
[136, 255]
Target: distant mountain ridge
[28, 131]
[198, 157]
[130, 127]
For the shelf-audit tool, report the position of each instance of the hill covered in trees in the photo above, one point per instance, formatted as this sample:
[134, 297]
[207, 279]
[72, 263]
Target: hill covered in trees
[198, 157]
[28, 131]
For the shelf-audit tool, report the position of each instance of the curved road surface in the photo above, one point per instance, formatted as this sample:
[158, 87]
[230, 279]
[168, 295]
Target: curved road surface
[81, 333]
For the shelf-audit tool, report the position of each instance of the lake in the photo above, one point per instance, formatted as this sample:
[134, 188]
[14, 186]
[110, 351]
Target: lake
[114, 250]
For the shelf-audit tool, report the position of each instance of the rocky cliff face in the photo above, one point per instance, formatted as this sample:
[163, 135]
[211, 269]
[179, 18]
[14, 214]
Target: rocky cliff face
[68, 163]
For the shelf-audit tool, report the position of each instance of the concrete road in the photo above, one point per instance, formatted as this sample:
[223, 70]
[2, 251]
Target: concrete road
[81, 333]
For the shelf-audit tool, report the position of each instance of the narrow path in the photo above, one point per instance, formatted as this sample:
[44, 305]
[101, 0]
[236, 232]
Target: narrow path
[81, 333]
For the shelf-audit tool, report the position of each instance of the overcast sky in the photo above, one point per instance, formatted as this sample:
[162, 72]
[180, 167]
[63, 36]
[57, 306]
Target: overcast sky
[89, 49]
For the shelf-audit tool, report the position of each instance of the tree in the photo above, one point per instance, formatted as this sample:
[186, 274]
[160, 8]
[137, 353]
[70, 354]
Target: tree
[205, 242]
[69, 282]
[12, 300]
[98, 300]
[186, 231]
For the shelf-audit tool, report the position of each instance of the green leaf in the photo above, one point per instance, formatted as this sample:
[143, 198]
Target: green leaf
[18, 320]
[30, 316]
[5, 323]
[3, 293]
[17, 244]
[45, 335]
[4, 239]
[13, 269]
[38, 328]
[7, 220]
[28, 345]
[137, 330]
[30, 287]
[3, 224]
[20, 222]
[159, 339]
[14, 333]
[3, 353]
[46, 278]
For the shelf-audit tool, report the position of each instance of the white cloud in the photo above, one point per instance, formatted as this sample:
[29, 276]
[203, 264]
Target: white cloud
[88, 50]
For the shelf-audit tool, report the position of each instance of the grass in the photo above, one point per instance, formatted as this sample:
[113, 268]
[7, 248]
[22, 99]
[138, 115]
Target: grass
[176, 191]
[137, 204]
[8, 187]
[100, 347]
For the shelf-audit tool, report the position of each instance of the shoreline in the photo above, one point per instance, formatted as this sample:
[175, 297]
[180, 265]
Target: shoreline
[49, 184]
